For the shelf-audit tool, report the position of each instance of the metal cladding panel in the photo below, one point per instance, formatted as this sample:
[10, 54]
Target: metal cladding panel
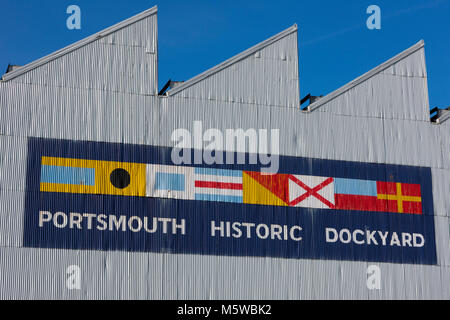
[42, 274]
[76, 114]
[400, 282]
[13, 163]
[142, 33]
[428, 282]
[124, 61]
[398, 92]
[444, 131]
[127, 275]
[392, 283]
[410, 66]
[327, 136]
[441, 190]
[189, 277]
[443, 115]
[118, 117]
[12, 204]
[318, 134]
[182, 282]
[353, 283]
[12, 189]
[442, 227]
[412, 142]
[181, 113]
[302, 129]
[445, 273]
[267, 77]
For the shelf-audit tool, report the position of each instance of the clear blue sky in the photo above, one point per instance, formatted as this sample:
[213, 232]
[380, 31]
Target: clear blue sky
[334, 44]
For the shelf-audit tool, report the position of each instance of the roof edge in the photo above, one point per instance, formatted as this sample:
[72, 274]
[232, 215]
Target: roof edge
[366, 76]
[232, 60]
[36, 63]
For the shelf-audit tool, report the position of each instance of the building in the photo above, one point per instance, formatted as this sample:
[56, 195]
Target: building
[94, 207]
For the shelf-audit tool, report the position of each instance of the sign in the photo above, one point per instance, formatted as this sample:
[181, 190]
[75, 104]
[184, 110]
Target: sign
[109, 196]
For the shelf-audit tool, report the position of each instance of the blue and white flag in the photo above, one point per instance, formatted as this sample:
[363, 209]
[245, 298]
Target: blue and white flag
[175, 182]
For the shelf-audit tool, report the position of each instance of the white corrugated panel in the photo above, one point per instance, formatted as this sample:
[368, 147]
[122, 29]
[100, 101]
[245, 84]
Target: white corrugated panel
[444, 131]
[12, 207]
[414, 143]
[13, 163]
[392, 284]
[128, 274]
[398, 92]
[267, 75]
[415, 282]
[76, 114]
[124, 61]
[441, 191]
[41, 273]
[353, 282]
[33, 273]
[142, 33]
[423, 282]
[445, 272]
[317, 134]
[442, 235]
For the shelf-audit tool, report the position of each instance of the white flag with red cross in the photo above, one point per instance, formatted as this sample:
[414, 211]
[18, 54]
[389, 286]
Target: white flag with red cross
[311, 192]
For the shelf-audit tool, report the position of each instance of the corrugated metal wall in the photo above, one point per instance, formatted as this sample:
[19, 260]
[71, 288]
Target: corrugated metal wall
[407, 76]
[266, 77]
[124, 61]
[382, 120]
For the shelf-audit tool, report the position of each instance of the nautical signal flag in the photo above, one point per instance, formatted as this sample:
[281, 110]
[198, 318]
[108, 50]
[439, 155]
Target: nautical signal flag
[170, 182]
[366, 195]
[265, 189]
[311, 192]
[92, 176]
[400, 197]
[218, 185]
[288, 190]
[223, 185]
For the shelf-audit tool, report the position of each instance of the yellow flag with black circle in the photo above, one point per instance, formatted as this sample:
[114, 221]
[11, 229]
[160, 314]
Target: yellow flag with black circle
[92, 176]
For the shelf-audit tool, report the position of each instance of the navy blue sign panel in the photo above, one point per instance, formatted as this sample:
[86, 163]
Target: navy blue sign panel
[110, 196]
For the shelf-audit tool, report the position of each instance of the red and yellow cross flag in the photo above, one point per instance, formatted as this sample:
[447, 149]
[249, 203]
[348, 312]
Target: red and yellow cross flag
[400, 197]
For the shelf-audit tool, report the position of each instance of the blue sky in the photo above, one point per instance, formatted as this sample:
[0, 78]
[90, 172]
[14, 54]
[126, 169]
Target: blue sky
[334, 44]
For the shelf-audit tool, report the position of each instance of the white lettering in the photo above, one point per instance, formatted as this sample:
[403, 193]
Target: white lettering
[64, 220]
[266, 231]
[42, 219]
[181, 226]
[357, 231]
[249, 227]
[395, 240]
[139, 224]
[154, 225]
[214, 228]
[422, 240]
[383, 237]
[371, 237]
[348, 235]
[291, 233]
[90, 216]
[327, 235]
[406, 239]
[235, 227]
[113, 222]
[101, 219]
